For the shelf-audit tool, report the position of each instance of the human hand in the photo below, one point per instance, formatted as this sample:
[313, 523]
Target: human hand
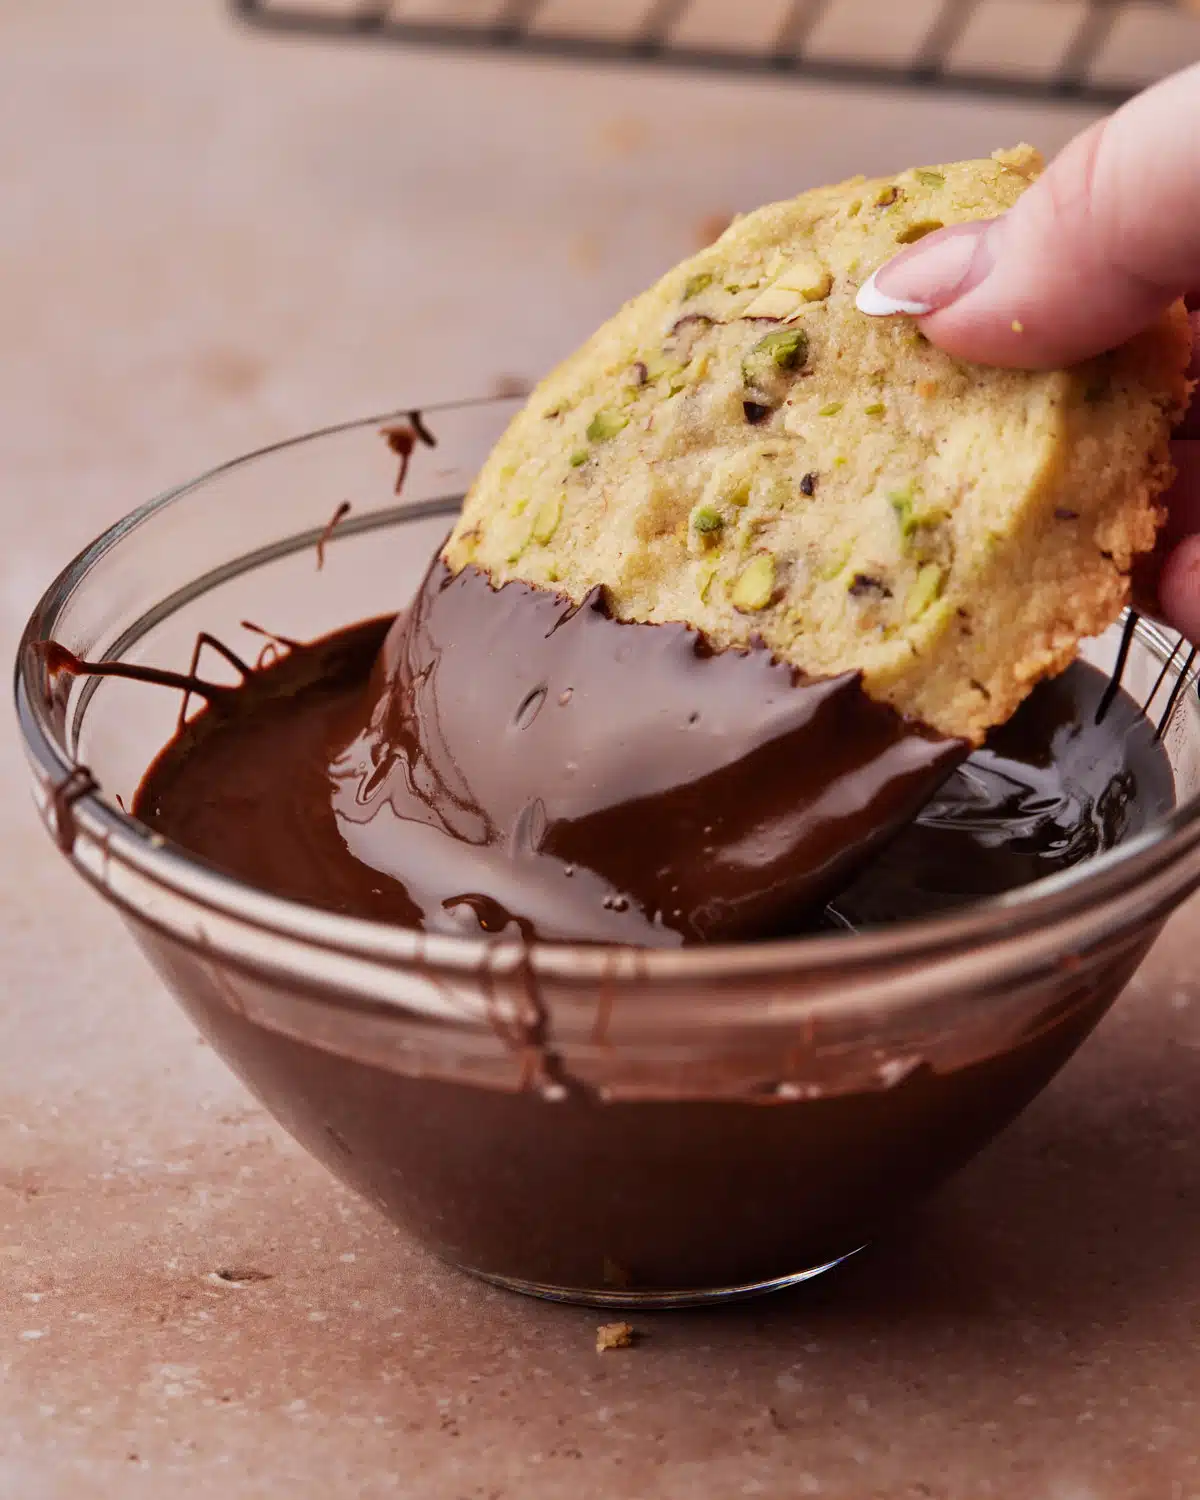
[1096, 249]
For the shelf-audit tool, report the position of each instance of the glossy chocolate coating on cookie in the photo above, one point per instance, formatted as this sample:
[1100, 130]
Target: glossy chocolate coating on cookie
[533, 761]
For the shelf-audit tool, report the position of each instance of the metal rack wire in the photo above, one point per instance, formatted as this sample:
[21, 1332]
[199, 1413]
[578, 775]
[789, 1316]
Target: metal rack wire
[1091, 51]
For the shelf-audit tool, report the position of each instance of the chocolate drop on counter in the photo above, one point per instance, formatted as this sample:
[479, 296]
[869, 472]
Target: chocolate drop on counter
[533, 762]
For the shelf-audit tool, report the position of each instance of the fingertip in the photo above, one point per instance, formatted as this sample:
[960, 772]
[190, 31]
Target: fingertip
[1179, 588]
[1002, 334]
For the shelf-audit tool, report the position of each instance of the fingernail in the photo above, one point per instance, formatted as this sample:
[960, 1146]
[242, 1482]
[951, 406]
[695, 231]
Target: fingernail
[932, 274]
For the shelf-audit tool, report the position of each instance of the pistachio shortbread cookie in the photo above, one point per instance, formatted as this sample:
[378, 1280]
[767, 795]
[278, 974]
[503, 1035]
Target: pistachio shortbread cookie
[742, 449]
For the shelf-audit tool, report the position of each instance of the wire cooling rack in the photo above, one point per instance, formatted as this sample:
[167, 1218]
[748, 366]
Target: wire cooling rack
[1094, 51]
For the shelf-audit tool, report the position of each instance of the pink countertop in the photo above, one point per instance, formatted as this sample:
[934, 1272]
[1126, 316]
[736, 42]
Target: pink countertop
[207, 242]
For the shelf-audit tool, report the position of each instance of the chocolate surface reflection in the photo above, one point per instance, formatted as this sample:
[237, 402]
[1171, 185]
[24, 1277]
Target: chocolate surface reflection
[1051, 788]
[510, 762]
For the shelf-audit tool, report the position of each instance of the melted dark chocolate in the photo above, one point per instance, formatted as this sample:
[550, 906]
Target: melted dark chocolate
[509, 761]
[403, 438]
[534, 761]
[245, 784]
[1057, 784]
[59, 659]
[335, 520]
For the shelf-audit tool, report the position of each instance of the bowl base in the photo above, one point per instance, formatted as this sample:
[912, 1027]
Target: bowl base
[689, 1297]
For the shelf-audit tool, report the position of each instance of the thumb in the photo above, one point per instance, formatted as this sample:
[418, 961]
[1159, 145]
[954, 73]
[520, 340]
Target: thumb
[1101, 243]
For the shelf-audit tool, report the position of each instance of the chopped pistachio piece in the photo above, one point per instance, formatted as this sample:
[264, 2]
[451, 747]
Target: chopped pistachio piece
[836, 561]
[784, 349]
[901, 502]
[806, 276]
[777, 492]
[689, 327]
[929, 178]
[708, 571]
[887, 196]
[755, 585]
[876, 409]
[579, 458]
[660, 364]
[804, 280]
[911, 519]
[707, 520]
[831, 408]
[697, 284]
[926, 589]
[605, 425]
[775, 302]
[545, 523]
[518, 506]
[918, 231]
[630, 394]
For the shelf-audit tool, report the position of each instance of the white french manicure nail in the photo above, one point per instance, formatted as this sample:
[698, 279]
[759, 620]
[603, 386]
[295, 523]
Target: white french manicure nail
[877, 304]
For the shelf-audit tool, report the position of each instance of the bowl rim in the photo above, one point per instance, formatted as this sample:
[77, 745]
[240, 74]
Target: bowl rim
[1091, 887]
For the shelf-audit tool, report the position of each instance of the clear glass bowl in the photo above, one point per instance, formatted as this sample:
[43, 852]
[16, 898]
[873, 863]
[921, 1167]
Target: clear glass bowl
[612, 1126]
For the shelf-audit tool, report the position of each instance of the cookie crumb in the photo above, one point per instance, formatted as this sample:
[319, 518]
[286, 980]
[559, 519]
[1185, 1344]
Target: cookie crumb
[614, 1336]
[238, 1276]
